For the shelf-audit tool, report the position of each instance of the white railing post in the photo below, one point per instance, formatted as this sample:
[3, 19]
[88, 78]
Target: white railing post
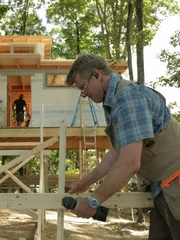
[61, 179]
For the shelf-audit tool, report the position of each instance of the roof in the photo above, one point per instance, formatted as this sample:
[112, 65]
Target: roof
[7, 41]
[33, 52]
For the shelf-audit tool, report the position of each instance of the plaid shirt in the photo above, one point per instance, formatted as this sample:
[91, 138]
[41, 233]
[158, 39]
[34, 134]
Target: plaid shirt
[135, 111]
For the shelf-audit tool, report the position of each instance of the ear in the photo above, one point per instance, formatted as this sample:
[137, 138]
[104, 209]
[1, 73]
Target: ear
[96, 75]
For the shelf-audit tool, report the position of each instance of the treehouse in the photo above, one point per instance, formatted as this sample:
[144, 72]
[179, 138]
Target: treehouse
[26, 68]
[59, 120]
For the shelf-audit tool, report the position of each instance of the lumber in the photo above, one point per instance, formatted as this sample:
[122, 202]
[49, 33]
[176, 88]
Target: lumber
[53, 200]
[30, 154]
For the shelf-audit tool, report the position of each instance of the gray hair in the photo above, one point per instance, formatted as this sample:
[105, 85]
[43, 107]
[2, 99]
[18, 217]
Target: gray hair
[84, 64]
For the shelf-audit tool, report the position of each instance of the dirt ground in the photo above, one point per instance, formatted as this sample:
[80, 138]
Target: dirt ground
[15, 225]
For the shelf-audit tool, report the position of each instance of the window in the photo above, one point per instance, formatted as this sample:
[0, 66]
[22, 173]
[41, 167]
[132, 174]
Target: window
[56, 80]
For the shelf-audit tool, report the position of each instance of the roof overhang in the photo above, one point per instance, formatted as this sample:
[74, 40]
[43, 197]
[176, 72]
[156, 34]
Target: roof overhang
[34, 61]
[6, 42]
[19, 61]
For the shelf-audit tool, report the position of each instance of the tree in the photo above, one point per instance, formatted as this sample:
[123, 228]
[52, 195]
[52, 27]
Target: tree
[75, 31]
[173, 63]
[176, 115]
[3, 9]
[106, 27]
[129, 37]
[22, 18]
[112, 18]
[140, 45]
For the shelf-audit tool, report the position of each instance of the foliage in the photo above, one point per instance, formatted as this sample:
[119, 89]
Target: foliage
[176, 115]
[75, 32]
[21, 18]
[3, 10]
[84, 26]
[34, 166]
[71, 166]
[100, 26]
[173, 63]
[72, 162]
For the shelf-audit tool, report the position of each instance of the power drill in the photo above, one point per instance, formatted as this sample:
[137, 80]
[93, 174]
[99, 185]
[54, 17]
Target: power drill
[101, 213]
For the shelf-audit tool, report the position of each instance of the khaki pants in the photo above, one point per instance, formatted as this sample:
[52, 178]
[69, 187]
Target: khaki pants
[163, 225]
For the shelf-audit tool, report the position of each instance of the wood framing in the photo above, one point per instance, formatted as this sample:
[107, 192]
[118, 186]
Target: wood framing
[26, 138]
[53, 200]
[28, 155]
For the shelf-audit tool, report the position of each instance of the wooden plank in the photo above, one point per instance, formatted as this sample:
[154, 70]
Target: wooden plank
[53, 200]
[24, 56]
[19, 152]
[47, 132]
[15, 179]
[31, 213]
[34, 180]
[72, 143]
[30, 154]
[61, 179]
[10, 144]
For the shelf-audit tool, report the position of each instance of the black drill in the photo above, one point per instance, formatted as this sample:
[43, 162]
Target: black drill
[101, 213]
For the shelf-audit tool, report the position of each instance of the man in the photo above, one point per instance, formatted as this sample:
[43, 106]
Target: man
[19, 107]
[144, 139]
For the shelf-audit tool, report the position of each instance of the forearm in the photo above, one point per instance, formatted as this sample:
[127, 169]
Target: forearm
[13, 105]
[116, 179]
[26, 109]
[127, 164]
[102, 169]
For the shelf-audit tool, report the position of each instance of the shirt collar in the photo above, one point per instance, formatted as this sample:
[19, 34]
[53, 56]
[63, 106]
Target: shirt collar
[112, 86]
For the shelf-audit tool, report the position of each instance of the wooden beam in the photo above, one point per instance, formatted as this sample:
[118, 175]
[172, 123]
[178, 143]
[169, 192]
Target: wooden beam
[18, 144]
[61, 178]
[47, 132]
[29, 155]
[15, 179]
[72, 143]
[53, 200]
[31, 213]
[34, 180]
[17, 63]
[22, 82]
[19, 152]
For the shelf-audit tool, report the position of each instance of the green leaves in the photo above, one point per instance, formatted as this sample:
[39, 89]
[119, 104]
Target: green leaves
[172, 58]
[21, 18]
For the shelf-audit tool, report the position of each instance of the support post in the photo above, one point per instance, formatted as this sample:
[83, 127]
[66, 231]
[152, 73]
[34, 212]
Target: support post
[41, 211]
[61, 179]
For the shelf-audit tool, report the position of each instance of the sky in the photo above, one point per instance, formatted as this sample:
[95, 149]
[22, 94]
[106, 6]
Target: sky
[153, 67]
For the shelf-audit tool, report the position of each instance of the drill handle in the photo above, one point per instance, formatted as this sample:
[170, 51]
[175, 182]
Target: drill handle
[69, 202]
[101, 213]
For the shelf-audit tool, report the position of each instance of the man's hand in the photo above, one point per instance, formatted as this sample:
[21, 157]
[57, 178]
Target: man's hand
[78, 186]
[83, 209]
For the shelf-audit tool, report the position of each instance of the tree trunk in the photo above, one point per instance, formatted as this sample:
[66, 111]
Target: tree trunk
[102, 16]
[77, 36]
[128, 39]
[25, 17]
[139, 45]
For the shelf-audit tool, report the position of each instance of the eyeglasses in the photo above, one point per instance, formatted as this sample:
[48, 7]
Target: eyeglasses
[83, 91]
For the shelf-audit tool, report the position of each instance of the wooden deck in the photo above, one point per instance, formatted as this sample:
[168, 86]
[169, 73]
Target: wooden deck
[12, 138]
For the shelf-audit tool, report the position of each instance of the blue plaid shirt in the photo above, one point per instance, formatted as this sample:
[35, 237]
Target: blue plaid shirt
[135, 111]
